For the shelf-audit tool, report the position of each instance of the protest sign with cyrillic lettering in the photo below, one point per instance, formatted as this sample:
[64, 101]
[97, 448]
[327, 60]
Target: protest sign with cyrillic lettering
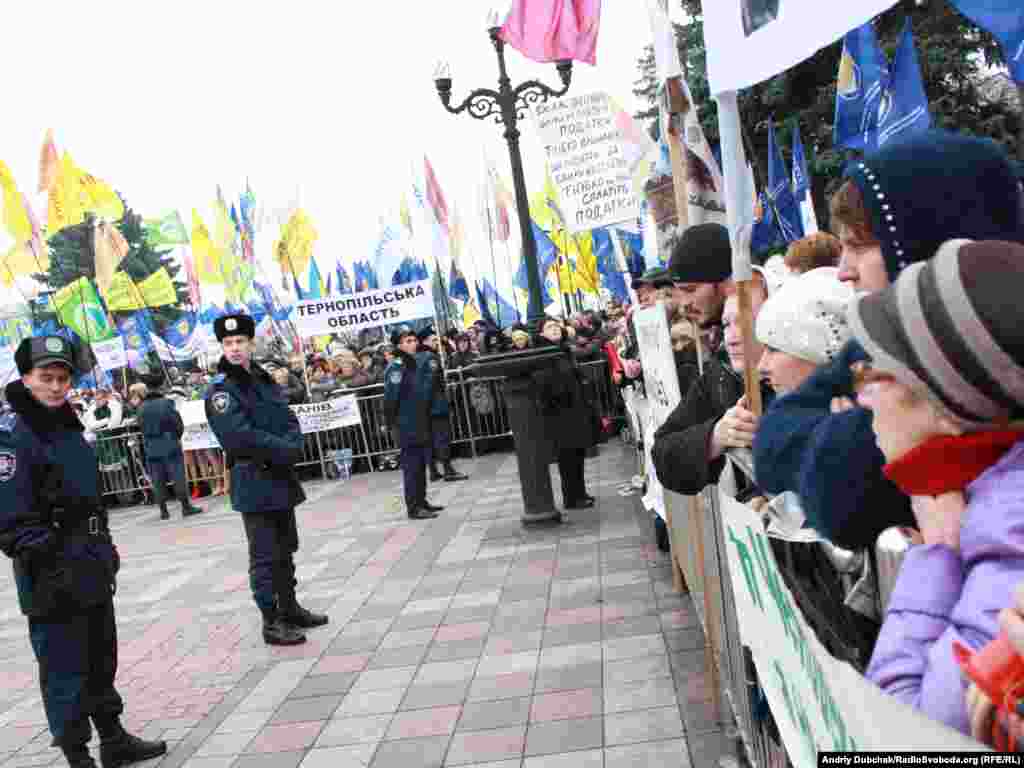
[367, 309]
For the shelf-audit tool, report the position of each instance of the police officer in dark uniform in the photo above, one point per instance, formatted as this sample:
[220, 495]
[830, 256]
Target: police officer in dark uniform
[440, 425]
[262, 441]
[54, 527]
[162, 429]
[408, 398]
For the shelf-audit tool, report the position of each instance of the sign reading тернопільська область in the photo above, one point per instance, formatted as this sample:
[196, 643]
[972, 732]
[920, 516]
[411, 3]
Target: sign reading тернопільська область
[588, 165]
[367, 309]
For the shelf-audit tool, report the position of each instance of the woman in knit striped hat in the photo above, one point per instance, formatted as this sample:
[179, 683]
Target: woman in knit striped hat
[945, 382]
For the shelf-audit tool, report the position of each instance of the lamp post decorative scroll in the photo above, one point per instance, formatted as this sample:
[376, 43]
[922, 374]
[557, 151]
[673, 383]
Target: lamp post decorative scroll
[508, 106]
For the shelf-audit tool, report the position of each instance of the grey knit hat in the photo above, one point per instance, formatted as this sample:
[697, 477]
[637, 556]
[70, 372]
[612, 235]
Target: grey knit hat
[952, 329]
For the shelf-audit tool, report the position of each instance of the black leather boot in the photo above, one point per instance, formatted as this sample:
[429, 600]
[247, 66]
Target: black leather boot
[432, 507]
[78, 756]
[164, 514]
[435, 474]
[277, 632]
[420, 513]
[451, 474]
[125, 749]
[295, 615]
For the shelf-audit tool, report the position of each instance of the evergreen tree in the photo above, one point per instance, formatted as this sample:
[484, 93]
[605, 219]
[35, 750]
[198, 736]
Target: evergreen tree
[952, 53]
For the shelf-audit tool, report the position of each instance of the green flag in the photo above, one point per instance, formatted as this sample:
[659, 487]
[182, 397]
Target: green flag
[166, 231]
[79, 308]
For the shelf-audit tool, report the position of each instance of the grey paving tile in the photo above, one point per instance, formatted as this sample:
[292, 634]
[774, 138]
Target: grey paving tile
[323, 685]
[364, 703]
[354, 730]
[446, 672]
[640, 668]
[640, 694]
[418, 620]
[651, 754]
[632, 627]
[501, 686]
[406, 637]
[500, 713]
[357, 756]
[470, 614]
[685, 639]
[571, 634]
[456, 650]
[411, 753]
[630, 647]
[405, 656]
[585, 675]
[643, 725]
[306, 710]
[470, 747]
[421, 696]
[378, 679]
[590, 758]
[564, 736]
[270, 760]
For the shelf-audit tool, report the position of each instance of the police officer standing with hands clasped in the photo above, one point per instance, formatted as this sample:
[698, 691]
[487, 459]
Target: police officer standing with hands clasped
[408, 399]
[54, 527]
[262, 441]
[440, 425]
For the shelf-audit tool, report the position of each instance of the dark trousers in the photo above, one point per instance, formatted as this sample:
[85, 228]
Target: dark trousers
[77, 655]
[169, 469]
[273, 541]
[441, 431]
[414, 459]
[570, 468]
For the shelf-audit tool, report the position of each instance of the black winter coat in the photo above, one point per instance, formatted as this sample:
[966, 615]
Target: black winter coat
[161, 425]
[567, 415]
[680, 450]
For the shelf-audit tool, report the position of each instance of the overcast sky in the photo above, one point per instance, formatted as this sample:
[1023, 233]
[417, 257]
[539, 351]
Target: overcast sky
[330, 101]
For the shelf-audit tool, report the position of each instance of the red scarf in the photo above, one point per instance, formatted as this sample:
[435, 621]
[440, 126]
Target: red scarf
[949, 463]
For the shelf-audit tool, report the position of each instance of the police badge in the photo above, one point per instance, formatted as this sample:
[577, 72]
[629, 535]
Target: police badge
[220, 402]
[8, 466]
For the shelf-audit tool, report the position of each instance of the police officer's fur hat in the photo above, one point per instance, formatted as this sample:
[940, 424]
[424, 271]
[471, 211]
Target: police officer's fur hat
[401, 333]
[234, 325]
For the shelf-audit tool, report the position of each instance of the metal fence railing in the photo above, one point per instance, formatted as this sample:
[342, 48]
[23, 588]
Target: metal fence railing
[477, 414]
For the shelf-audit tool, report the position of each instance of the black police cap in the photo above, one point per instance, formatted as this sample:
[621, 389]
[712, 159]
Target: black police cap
[401, 333]
[234, 325]
[426, 333]
[44, 350]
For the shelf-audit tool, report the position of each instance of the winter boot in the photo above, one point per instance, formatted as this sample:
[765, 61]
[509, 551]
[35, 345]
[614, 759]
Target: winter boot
[164, 514]
[451, 474]
[277, 632]
[435, 474]
[78, 756]
[419, 513]
[294, 615]
[118, 747]
[432, 507]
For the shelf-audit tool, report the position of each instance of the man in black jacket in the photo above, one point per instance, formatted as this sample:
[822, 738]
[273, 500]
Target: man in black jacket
[162, 429]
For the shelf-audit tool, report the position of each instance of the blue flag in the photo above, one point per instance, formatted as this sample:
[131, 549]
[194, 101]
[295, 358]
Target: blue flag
[342, 281]
[458, 288]
[366, 276]
[633, 251]
[211, 313]
[801, 182]
[766, 234]
[604, 255]
[903, 107]
[780, 192]
[266, 295]
[257, 310]
[863, 73]
[547, 255]
[178, 333]
[494, 309]
[136, 328]
[1005, 20]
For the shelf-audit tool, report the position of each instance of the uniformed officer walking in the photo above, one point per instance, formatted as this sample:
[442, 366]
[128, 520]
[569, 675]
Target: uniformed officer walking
[54, 527]
[408, 399]
[440, 425]
[262, 441]
[162, 429]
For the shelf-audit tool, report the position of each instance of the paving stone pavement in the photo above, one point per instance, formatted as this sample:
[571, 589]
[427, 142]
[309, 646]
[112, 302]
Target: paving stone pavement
[462, 641]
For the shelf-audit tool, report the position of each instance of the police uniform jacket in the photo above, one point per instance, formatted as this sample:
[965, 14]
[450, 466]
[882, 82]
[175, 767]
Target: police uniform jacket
[408, 398]
[260, 434]
[567, 416]
[162, 427]
[439, 406]
[52, 522]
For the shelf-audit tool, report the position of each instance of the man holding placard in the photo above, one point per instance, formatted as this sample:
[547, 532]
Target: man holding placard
[262, 442]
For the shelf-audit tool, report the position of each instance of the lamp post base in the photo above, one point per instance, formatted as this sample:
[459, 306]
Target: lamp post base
[533, 448]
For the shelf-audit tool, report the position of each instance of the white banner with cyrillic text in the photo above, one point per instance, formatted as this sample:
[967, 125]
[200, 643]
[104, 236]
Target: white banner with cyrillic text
[110, 354]
[336, 413]
[585, 149]
[368, 309]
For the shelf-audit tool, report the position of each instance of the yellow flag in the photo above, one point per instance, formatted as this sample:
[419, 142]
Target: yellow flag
[109, 248]
[225, 234]
[75, 193]
[100, 198]
[295, 248]
[204, 255]
[15, 216]
[19, 261]
[157, 290]
[580, 250]
[470, 314]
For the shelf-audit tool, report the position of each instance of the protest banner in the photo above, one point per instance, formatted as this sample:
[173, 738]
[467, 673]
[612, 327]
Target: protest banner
[819, 703]
[661, 382]
[584, 145]
[748, 41]
[336, 413]
[367, 309]
[110, 354]
[8, 368]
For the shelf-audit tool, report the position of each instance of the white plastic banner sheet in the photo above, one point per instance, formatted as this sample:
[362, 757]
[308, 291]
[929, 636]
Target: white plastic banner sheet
[110, 354]
[367, 309]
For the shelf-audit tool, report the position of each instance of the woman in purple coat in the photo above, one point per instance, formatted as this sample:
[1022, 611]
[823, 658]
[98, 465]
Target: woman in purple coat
[945, 382]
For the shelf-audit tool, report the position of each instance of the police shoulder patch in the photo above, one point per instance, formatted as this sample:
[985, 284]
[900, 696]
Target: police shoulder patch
[395, 377]
[8, 422]
[218, 379]
[8, 466]
[220, 401]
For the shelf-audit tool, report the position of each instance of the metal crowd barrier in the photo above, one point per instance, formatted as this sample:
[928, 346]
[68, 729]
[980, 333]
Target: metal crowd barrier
[477, 414]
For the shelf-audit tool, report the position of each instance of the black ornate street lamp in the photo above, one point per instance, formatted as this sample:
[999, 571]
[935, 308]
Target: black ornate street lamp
[508, 106]
[534, 450]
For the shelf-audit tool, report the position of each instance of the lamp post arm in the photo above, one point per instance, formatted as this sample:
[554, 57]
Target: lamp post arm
[481, 103]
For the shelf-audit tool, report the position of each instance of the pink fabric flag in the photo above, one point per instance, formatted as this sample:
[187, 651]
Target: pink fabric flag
[434, 195]
[550, 30]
